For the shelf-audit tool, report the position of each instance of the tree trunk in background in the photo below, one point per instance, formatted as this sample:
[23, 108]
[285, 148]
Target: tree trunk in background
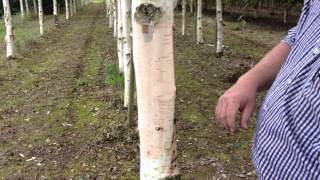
[156, 91]
[27, 7]
[127, 47]
[183, 28]
[199, 23]
[22, 8]
[285, 15]
[120, 36]
[111, 14]
[40, 17]
[191, 6]
[35, 9]
[71, 7]
[67, 9]
[107, 9]
[219, 18]
[115, 19]
[74, 5]
[55, 13]
[9, 37]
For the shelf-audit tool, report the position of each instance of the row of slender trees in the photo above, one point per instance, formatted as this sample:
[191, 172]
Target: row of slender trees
[71, 7]
[144, 33]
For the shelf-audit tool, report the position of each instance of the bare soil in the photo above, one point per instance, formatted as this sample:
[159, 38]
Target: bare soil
[60, 120]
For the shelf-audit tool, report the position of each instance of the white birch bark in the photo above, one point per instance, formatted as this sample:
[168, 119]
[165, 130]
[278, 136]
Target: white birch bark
[9, 37]
[22, 8]
[35, 8]
[67, 9]
[74, 7]
[191, 6]
[71, 7]
[156, 91]
[107, 9]
[27, 7]
[40, 17]
[55, 13]
[127, 46]
[199, 22]
[111, 14]
[115, 19]
[183, 28]
[219, 18]
[120, 36]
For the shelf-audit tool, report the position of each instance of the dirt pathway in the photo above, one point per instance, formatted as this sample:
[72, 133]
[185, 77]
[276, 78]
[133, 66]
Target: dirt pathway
[54, 102]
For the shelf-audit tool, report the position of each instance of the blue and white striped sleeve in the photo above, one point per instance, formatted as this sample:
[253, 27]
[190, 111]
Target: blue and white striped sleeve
[290, 39]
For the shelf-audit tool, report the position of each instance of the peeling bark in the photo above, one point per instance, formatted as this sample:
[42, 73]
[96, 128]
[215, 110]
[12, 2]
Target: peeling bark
[156, 91]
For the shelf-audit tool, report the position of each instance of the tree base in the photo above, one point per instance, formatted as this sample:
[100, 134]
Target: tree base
[219, 54]
[175, 177]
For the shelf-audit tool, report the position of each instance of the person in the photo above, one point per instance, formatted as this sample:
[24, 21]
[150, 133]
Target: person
[287, 141]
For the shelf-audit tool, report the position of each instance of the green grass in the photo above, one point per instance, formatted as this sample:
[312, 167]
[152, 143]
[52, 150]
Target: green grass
[114, 77]
[27, 29]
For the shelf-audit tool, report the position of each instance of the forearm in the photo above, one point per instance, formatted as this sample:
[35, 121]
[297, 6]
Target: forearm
[264, 73]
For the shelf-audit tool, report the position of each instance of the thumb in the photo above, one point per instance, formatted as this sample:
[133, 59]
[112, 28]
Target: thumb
[246, 115]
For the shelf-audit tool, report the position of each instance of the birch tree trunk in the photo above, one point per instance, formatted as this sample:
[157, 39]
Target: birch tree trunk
[71, 8]
[55, 13]
[74, 7]
[115, 18]
[191, 6]
[22, 9]
[285, 15]
[120, 36]
[219, 47]
[127, 46]
[67, 9]
[9, 37]
[27, 7]
[40, 17]
[111, 14]
[183, 28]
[156, 91]
[107, 9]
[35, 9]
[199, 23]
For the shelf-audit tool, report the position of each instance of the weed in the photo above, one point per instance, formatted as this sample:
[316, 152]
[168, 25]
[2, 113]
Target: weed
[114, 77]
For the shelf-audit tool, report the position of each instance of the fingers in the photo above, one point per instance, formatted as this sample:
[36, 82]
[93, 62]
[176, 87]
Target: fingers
[226, 111]
[246, 115]
[231, 113]
[220, 112]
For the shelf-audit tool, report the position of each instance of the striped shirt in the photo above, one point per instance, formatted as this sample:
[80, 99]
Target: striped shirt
[287, 142]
